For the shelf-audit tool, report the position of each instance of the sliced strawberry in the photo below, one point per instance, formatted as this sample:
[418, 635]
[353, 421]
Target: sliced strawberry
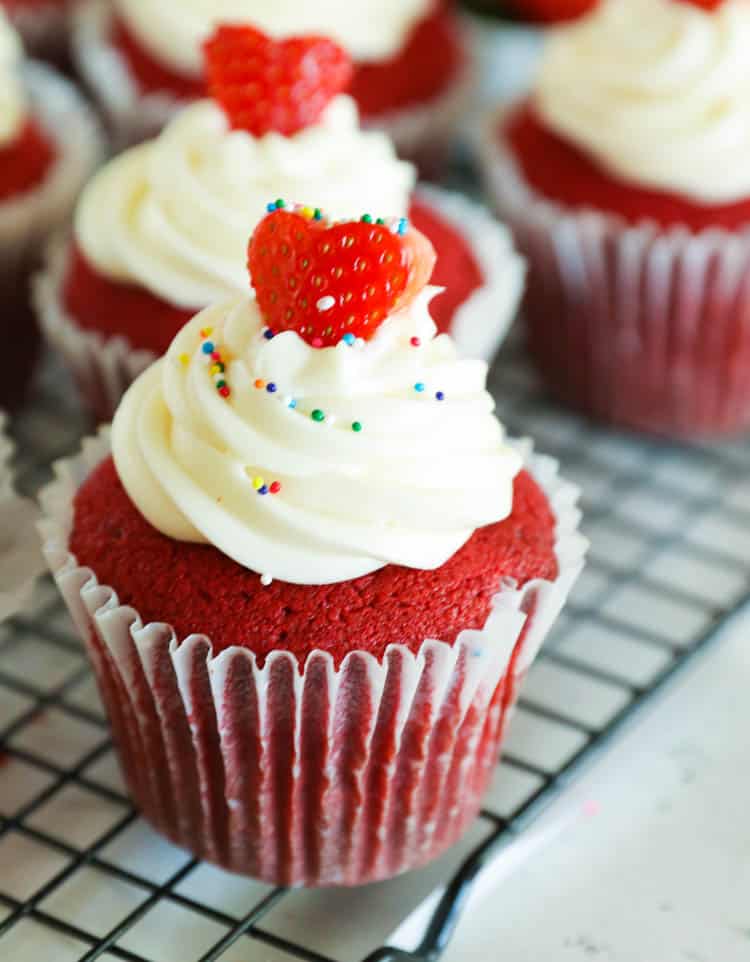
[273, 85]
[327, 280]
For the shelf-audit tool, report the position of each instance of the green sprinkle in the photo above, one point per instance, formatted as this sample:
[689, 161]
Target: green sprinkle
[318, 215]
[318, 415]
[356, 427]
[280, 203]
[380, 221]
[366, 218]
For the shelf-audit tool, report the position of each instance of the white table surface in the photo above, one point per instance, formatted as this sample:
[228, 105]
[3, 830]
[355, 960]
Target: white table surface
[662, 872]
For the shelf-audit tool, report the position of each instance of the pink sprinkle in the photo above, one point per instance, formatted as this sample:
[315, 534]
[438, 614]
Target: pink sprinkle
[415, 342]
[216, 356]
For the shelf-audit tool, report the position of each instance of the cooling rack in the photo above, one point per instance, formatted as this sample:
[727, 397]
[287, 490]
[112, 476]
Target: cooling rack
[81, 875]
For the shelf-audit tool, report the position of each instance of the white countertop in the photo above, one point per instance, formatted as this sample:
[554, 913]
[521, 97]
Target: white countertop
[662, 872]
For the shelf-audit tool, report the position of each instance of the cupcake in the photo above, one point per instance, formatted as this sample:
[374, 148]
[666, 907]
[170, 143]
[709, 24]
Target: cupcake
[43, 26]
[313, 573]
[142, 59]
[20, 558]
[625, 179]
[160, 233]
[48, 147]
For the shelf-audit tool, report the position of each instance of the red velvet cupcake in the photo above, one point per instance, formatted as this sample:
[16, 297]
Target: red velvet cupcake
[161, 231]
[48, 146]
[142, 60]
[625, 179]
[43, 26]
[309, 628]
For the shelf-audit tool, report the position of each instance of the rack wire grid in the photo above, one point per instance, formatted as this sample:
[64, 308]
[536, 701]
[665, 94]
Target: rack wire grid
[82, 877]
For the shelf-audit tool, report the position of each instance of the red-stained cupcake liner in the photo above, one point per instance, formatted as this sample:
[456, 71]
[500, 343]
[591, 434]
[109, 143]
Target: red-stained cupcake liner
[26, 222]
[638, 326]
[308, 775]
[44, 28]
[104, 368]
[422, 133]
[20, 558]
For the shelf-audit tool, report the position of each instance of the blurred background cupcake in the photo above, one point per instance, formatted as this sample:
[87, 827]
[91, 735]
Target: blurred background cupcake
[625, 177]
[161, 231]
[142, 59]
[259, 572]
[49, 145]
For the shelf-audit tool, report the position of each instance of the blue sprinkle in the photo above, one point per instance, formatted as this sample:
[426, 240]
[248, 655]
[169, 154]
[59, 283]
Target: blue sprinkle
[263, 490]
[349, 338]
[440, 396]
[403, 227]
[419, 387]
[292, 404]
[318, 215]
[271, 207]
[477, 653]
[208, 347]
[271, 387]
[268, 334]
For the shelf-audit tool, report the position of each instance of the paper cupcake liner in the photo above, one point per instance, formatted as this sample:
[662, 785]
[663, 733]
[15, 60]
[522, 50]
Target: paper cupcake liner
[25, 222]
[639, 326]
[21, 561]
[307, 775]
[482, 322]
[44, 30]
[104, 368]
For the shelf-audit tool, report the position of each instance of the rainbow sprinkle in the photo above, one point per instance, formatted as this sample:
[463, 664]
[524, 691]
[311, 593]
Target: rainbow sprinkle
[217, 367]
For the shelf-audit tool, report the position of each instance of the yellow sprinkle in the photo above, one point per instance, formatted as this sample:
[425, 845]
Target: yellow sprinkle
[257, 483]
[308, 213]
[215, 369]
[207, 332]
[184, 359]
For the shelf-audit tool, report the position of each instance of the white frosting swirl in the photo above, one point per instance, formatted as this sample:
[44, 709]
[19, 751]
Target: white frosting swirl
[410, 488]
[174, 31]
[12, 98]
[174, 215]
[659, 92]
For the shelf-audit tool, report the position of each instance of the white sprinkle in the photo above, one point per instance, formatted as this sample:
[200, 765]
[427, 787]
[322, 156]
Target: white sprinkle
[265, 580]
[326, 303]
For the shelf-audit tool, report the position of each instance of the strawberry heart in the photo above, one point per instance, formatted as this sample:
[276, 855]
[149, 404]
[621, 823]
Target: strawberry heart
[268, 85]
[325, 281]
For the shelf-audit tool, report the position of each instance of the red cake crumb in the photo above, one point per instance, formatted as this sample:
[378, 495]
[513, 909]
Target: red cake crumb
[100, 304]
[419, 73]
[26, 162]
[97, 303]
[196, 588]
[567, 175]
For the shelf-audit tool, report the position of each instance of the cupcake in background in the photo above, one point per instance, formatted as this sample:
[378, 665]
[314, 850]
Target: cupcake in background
[161, 231]
[142, 59]
[624, 176]
[315, 572]
[44, 26]
[49, 145]
[20, 558]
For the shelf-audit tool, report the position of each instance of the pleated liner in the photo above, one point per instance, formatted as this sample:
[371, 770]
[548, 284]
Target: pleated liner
[308, 775]
[637, 325]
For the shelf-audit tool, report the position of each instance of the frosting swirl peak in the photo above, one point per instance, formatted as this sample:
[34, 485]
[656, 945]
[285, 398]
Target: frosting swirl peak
[312, 465]
[173, 215]
[659, 92]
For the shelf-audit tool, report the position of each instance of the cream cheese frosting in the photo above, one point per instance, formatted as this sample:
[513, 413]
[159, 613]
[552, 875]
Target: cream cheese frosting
[174, 215]
[658, 91]
[309, 499]
[174, 31]
[12, 98]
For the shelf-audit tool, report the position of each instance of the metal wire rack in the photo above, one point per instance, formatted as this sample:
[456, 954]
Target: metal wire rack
[83, 878]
